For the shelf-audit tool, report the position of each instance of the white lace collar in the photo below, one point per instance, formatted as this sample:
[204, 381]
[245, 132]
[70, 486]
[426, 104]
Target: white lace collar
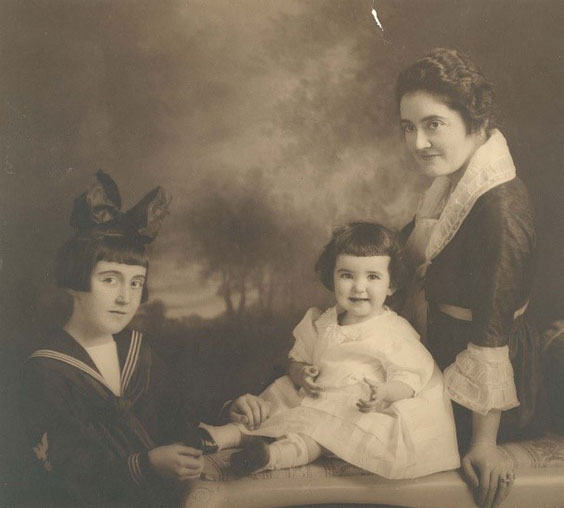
[491, 165]
[328, 324]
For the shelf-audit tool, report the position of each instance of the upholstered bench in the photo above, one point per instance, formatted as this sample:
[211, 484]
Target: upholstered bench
[539, 483]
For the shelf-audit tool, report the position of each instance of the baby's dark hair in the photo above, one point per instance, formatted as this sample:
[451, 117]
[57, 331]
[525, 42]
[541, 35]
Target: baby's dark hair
[77, 258]
[454, 76]
[361, 239]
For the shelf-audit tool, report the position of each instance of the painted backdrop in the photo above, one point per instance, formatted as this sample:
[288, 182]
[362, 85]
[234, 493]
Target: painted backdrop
[271, 122]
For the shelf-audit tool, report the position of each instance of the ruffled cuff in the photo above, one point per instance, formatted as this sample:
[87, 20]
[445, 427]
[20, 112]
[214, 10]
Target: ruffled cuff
[481, 378]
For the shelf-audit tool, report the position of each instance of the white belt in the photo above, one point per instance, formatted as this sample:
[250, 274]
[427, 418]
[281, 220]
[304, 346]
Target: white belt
[466, 314]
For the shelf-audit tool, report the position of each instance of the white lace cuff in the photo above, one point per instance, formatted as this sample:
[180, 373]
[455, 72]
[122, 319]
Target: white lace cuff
[481, 378]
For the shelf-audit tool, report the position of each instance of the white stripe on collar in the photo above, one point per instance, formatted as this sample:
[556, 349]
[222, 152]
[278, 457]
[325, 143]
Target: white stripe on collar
[131, 360]
[128, 368]
[70, 360]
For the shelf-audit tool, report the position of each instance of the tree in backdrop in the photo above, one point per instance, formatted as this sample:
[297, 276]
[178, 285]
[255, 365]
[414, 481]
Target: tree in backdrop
[249, 239]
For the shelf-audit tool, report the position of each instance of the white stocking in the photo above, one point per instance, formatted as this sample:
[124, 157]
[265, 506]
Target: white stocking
[292, 451]
[226, 436]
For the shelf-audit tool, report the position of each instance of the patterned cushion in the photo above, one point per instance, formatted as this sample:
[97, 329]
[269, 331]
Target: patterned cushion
[553, 361]
[547, 451]
[217, 469]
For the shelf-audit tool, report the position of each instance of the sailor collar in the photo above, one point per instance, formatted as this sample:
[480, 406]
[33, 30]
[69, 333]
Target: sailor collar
[64, 348]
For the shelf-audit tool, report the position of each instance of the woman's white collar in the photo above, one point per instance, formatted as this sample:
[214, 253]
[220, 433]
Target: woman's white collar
[490, 166]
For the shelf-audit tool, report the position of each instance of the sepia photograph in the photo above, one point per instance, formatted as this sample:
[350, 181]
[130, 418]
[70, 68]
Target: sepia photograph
[275, 253]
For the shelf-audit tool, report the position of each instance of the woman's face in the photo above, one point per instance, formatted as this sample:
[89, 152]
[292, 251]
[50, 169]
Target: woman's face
[436, 135]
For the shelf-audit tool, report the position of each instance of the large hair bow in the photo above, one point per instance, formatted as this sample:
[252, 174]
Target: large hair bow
[98, 210]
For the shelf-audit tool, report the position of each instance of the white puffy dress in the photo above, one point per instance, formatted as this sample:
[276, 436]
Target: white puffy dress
[409, 438]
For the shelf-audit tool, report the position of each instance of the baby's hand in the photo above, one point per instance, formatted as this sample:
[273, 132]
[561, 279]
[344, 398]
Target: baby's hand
[308, 374]
[378, 398]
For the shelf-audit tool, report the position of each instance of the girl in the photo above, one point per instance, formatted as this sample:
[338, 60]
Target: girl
[360, 383]
[103, 421]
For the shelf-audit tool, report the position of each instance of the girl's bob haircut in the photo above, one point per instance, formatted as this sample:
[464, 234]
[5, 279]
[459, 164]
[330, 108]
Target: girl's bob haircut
[453, 76]
[77, 258]
[361, 239]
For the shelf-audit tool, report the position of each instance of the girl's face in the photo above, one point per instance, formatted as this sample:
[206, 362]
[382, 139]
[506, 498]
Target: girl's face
[436, 135]
[361, 286]
[113, 299]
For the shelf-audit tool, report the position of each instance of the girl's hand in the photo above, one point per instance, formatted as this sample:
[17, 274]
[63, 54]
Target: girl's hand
[489, 472]
[308, 374]
[249, 410]
[378, 398]
[176, 461]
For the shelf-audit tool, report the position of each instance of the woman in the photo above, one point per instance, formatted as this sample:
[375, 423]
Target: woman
[472, 243]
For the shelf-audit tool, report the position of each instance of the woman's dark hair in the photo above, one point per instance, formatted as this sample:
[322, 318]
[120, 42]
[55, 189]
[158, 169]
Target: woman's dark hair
[361, 239]
[453, 76]
[77, 258]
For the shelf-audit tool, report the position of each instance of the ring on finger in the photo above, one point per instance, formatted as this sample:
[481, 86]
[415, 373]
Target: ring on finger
[509, 477]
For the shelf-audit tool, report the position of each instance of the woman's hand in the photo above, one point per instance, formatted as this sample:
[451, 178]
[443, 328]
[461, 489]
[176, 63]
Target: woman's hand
[307, 376]
[485, 467]
[489, 472]
[176, 461]
[249, 410]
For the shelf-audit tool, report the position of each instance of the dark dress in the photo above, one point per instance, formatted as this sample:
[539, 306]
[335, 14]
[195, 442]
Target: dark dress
[488, 267]
[92, 444]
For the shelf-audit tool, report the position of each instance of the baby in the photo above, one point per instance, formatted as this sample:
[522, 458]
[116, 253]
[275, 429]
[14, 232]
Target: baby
[360, 384]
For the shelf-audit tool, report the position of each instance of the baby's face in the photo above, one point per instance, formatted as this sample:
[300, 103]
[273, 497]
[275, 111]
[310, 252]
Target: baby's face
[362, 285]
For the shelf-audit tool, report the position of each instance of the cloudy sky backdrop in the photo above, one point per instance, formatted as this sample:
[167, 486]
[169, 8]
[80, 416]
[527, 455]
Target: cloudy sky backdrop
[202, 95]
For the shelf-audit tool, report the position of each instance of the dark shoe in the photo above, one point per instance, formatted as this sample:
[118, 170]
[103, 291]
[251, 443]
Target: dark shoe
[253, 457]
[207, 443]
